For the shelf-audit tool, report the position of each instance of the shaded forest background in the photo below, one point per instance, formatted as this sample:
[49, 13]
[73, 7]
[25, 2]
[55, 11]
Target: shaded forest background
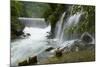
[52, 13]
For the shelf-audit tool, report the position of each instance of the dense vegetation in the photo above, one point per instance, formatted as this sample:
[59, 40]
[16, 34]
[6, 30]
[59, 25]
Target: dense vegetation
[52, 13]
[16, 26]
[24, 9]
[33, 9]
[86, 24]
[87, 21]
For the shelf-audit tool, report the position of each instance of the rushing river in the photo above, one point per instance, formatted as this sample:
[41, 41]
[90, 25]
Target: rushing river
[37, 42]
[22, 49]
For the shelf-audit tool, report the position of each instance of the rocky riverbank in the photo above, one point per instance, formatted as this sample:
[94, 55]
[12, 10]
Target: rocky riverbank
[80, 56]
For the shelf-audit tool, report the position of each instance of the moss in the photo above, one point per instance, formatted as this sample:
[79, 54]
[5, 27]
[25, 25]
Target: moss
[87, 20]
[80, 56]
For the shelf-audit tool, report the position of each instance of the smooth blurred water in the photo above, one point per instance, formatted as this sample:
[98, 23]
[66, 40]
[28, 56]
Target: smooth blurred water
[22, 49]
[66, 25]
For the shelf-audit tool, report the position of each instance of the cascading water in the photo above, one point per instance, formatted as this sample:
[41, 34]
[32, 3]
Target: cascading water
[22, 49]
[58, 29]
[61, 25]
[33, 22]
[72, 21]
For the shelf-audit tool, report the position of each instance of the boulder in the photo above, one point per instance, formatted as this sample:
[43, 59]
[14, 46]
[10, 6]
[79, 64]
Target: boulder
[50, 36]
[49, 32]
[49, 49]
[23, 63]
[18, 33]
[85, 42]
[28, 34]
[33, 60]
[86, 37]
[59, 52]
[24, 35]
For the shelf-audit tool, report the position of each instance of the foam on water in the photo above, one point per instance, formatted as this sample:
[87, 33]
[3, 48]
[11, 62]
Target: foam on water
[33, 45]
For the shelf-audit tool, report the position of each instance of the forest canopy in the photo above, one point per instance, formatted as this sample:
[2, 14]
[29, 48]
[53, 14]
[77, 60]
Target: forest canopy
[52, 13]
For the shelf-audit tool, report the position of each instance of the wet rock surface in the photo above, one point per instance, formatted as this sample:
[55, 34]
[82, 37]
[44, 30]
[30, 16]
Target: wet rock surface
[31, 61]
[49, 49]
[86, 37]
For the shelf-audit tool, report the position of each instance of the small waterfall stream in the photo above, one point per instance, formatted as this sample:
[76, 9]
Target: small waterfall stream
[62, 25]
[22, 49]
[59, 26]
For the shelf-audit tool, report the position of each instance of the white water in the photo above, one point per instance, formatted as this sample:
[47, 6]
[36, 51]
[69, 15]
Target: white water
[61, 25]
[33, 22]
[22, 49]
[73, 20]
[35, 44]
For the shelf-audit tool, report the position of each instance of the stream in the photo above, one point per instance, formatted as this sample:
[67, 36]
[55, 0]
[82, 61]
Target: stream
[36, 44]
[22, 49]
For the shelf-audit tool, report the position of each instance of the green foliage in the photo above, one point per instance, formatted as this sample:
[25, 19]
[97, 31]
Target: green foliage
[16, 26]
[15, 8]
[53, 14]
[33, 9]
[25, 9]
[49, 11]
[87, 20]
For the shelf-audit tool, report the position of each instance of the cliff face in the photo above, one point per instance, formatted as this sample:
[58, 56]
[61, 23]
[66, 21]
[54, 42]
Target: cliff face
[53, 15]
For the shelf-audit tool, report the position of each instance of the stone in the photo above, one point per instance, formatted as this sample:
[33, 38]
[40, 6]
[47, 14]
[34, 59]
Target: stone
[18, 33]
[24, 35]
[86, 37]
[58, 52]
[49, 49]
[28, 34]
[23, 63]
[33, 60]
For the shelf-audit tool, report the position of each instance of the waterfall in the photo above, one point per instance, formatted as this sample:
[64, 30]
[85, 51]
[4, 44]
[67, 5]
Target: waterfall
[72, 20]
[22, 49]
[59, 26]
[62, 25]
[33, 22]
